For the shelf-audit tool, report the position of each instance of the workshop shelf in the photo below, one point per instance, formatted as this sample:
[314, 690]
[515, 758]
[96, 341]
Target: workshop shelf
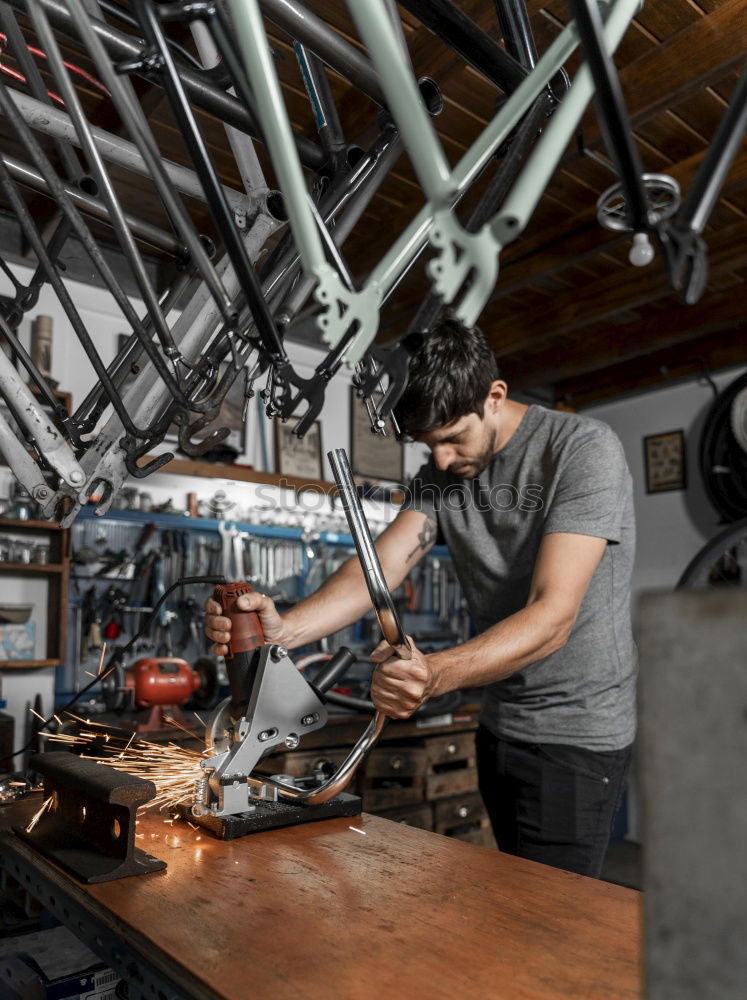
[28, 664]
[57, 575]
[37, 569]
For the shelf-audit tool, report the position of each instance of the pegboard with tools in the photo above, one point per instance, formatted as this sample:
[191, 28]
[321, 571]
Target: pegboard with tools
[123, 563]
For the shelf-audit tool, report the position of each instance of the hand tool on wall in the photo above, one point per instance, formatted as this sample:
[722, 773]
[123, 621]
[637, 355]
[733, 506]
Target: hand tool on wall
[116, 599]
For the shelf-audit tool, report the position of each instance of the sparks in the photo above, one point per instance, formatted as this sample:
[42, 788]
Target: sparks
[101, 660]
[177, 725]
[38, 815]
[34, 712]
[357, 830]
[172, 768]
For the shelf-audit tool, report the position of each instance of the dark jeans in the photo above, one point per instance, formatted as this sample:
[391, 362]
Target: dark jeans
[550, 802]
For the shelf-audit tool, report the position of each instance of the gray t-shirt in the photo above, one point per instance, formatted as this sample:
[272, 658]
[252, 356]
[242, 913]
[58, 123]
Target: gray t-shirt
[559, 472]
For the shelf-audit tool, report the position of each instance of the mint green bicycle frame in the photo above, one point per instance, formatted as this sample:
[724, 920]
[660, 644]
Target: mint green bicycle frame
[354, 314]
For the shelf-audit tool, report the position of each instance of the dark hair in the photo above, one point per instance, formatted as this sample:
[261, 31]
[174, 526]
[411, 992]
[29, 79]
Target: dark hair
[449, 376]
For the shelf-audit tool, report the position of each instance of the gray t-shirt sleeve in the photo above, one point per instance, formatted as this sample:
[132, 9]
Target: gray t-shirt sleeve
[590, 488]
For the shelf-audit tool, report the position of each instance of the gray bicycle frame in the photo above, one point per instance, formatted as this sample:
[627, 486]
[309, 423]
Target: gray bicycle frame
[461, 253]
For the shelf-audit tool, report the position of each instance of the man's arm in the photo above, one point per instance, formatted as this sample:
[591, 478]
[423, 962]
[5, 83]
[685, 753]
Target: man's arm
[564, 567]
[343, 598]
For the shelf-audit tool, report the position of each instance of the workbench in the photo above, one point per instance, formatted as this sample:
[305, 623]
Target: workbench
[324, 912]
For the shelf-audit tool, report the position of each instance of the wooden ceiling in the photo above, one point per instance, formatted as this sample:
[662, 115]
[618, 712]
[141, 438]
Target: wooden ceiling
[570, 319]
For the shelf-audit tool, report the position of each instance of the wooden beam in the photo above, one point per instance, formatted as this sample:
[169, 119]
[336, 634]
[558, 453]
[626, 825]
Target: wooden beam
[623, 343]
[676, 363]
[618, 292]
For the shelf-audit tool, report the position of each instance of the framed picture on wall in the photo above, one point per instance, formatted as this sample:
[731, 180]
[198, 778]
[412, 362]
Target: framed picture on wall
[295, 456]
[664, 458]
[371, 455]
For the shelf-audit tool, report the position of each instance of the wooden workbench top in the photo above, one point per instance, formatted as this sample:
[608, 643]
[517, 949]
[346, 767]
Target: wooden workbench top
[323, 912]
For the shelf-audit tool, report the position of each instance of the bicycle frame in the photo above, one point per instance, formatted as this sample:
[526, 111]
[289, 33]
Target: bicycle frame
[461, 253]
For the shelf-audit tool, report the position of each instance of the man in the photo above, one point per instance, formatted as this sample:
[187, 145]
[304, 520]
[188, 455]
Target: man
[535, 507]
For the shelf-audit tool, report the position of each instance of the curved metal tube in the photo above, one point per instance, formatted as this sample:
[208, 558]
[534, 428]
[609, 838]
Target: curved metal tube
[340, 780]
[382, 601]
[390, 626]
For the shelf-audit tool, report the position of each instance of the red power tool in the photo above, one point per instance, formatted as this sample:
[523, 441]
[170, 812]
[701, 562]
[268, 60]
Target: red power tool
[246, 637]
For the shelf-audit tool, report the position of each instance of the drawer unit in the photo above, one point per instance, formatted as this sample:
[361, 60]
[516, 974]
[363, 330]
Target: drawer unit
[420, 816]
[393, 776]
[304, 763]
[443, 751]
[451, 765]
[463, 817]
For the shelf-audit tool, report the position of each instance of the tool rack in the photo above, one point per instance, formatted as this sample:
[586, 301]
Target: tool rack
[341, 541]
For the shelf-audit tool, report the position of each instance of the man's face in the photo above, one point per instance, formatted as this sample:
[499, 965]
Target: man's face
[464, 447]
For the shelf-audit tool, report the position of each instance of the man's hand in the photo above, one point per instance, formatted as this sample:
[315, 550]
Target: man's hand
[218, 627]
[399, 686]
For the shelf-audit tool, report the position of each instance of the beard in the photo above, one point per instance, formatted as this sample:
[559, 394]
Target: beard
[472, 467]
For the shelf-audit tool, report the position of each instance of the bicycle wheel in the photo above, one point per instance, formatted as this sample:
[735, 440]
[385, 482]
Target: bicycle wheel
[723, 459]
[721, 562]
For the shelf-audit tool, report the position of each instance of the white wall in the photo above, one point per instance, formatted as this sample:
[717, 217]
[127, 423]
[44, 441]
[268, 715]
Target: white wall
[672, 526]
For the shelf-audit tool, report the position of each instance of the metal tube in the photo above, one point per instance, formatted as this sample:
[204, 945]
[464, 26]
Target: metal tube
[192, 332]
[517, 32]
[333, 49]
[488, 204]
[281, 265]
[403, 97]
[54, 122]
[80, 229]
[355, 205]
[339, 781]
[106, 188]
[25, 469]
[49, 441]
[473, 162]
[538, 170]
[35, 83]
[470, 42]
[17, 349]
[268, 98]
[149, 234]
[711, 174]
[317, 86]
[201, 158]
[383, 605]
[611, 110]
[396, 22]
[217, 102]
[37, 244]
[132, 115]
[241, 145]
[87, 414]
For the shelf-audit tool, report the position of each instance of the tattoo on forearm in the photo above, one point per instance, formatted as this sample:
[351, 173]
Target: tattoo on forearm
[426, 537]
